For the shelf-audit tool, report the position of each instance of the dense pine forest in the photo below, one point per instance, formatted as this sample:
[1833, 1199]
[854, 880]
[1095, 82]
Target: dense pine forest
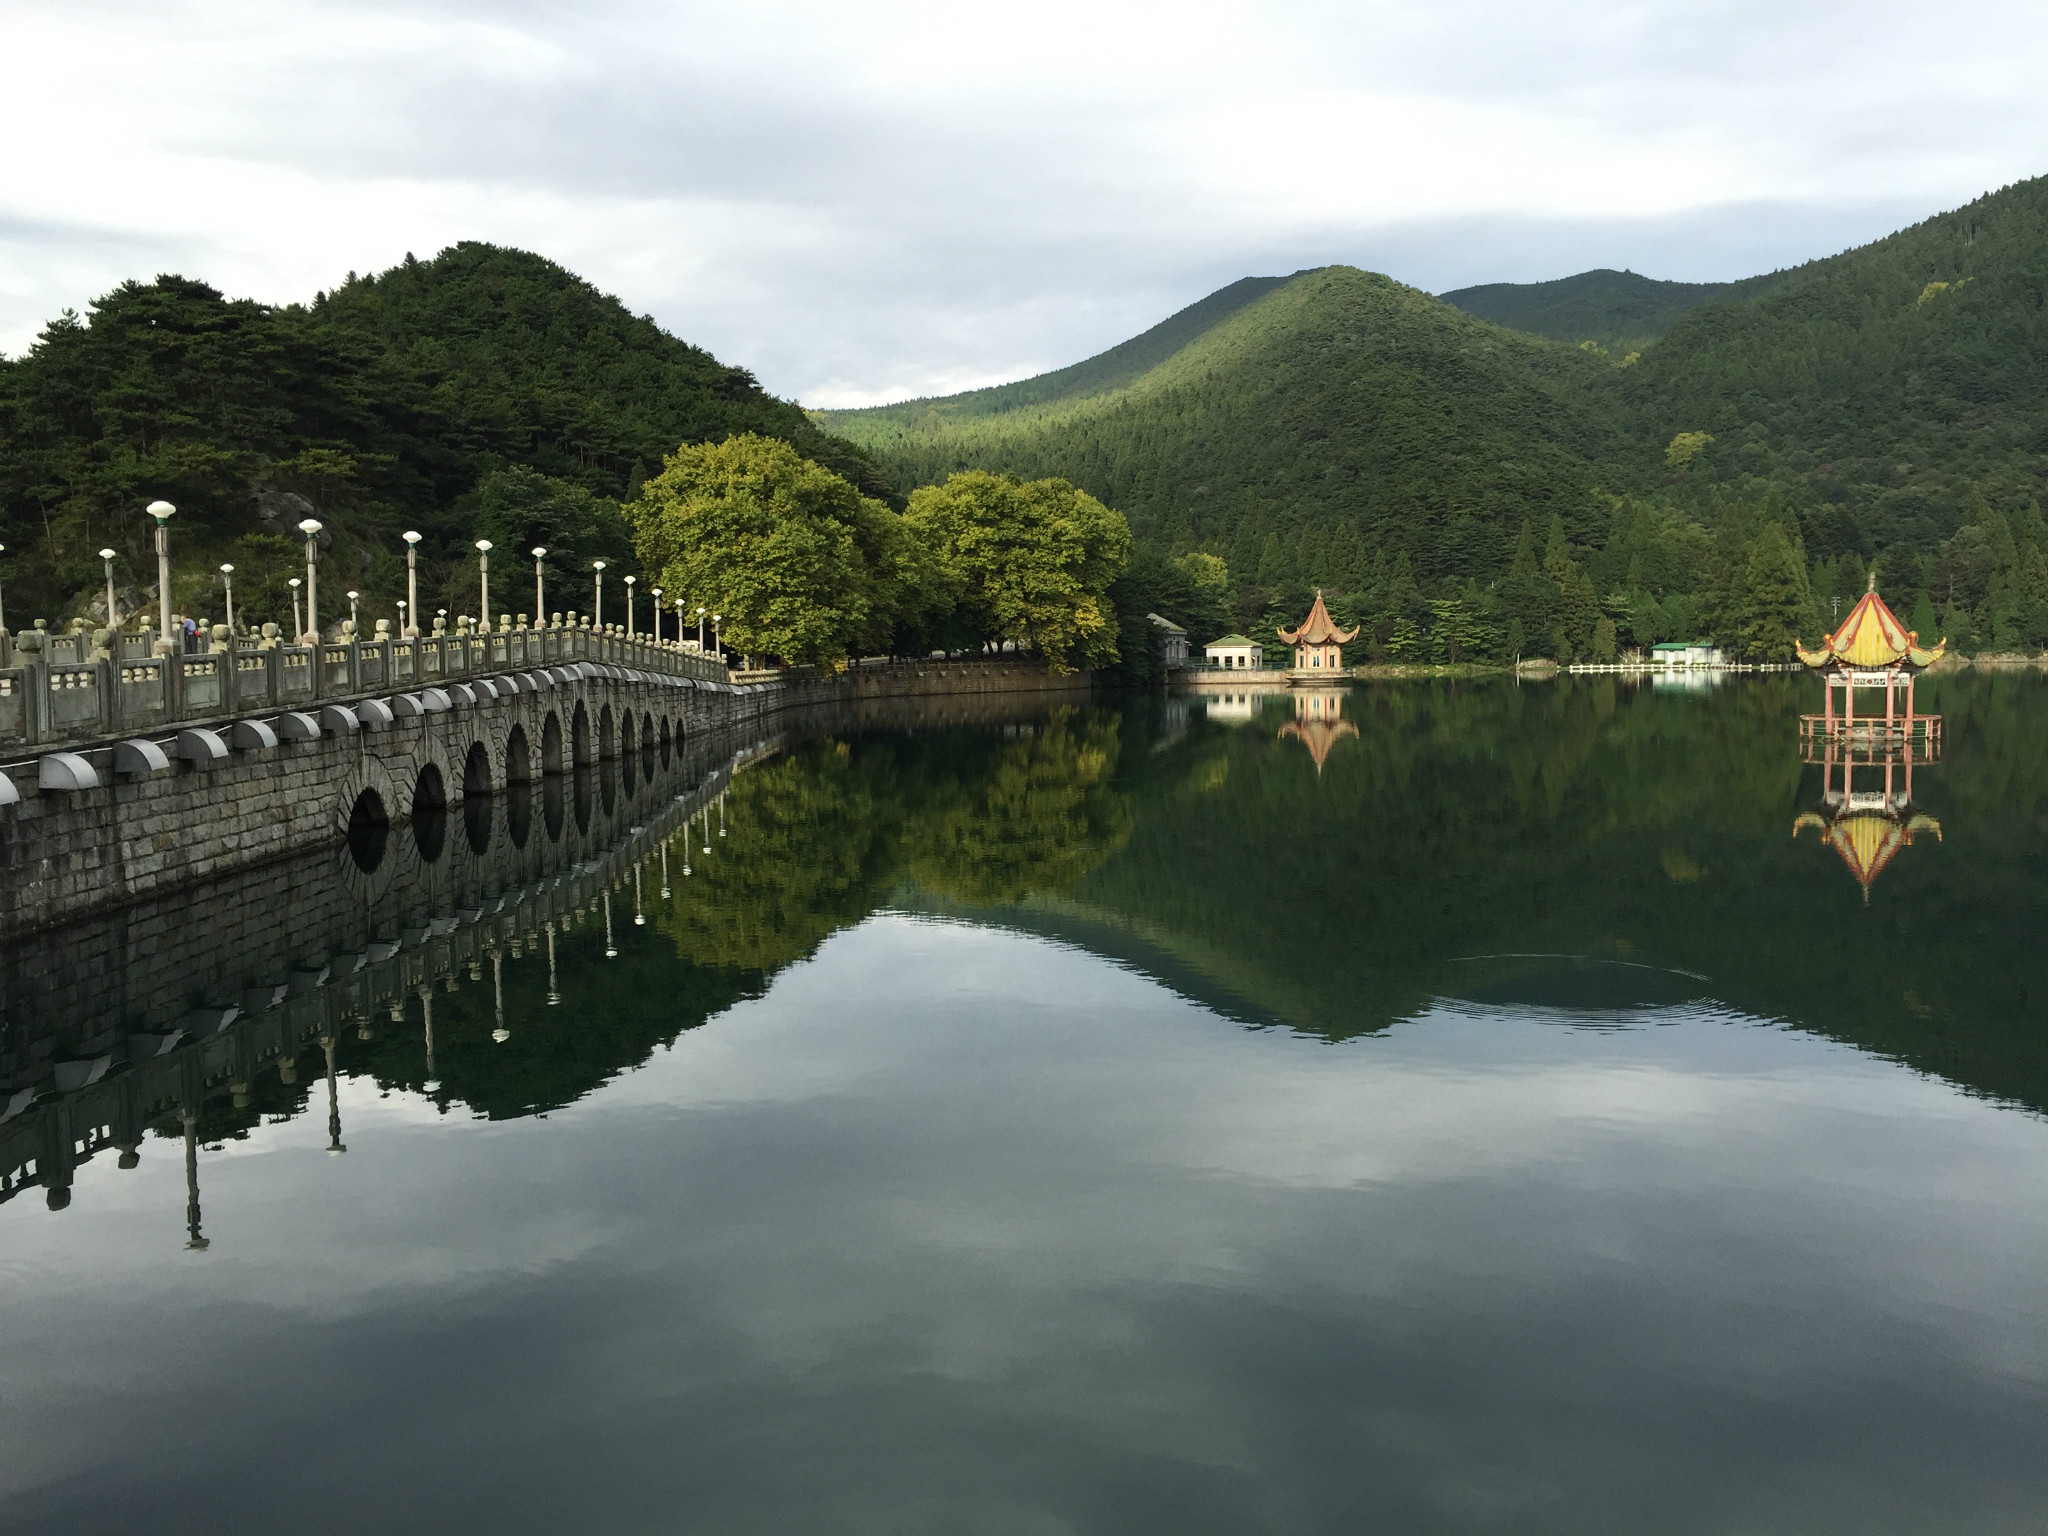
[1466, 489]
[487, 392]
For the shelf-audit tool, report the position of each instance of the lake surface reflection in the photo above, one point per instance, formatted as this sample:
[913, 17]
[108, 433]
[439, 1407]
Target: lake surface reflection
[1472, 1109]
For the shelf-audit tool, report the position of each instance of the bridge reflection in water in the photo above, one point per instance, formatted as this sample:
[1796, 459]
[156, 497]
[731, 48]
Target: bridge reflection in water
[198, 1014]
[251, 981]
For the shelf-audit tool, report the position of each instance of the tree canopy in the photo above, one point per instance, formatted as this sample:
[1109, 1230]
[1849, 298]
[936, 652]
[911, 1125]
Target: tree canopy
[797, 561]
[1028, 562]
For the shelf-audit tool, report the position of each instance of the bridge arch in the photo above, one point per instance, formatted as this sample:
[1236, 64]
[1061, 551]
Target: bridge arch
[518, 756]
[369, 830]
[476, 771]
[551, 745]
[606, 732]
[429, 811]
[579, 735]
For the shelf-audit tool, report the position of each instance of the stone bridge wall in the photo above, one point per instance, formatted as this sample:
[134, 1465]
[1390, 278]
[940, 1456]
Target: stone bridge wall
[64, 852]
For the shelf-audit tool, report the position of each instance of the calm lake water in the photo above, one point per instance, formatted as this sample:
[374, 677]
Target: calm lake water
[1485, 1108]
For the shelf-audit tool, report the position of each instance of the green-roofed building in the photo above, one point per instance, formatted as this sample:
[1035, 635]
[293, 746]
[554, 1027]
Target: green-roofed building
[1235, 652]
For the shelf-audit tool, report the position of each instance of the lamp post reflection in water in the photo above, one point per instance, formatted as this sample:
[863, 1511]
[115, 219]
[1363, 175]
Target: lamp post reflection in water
[611, 950]
[501, 1034]
[554, 990]
[433, 1083]
[193, 1240]
[333, 1099]
[639, 917]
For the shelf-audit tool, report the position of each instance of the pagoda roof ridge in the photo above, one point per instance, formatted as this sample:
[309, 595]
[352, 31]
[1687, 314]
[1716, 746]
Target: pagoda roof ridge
[1318, 628]
[1872, 636]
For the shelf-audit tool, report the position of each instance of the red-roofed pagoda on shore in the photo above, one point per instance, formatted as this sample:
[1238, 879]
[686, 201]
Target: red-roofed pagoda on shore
[1872, 649]
[1318, 644]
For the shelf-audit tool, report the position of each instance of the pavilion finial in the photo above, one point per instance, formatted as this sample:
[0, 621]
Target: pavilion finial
[1872, 587]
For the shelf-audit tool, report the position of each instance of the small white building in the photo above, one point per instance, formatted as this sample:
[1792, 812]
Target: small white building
[1687, 653]
[1235, 652]
[1172, 640]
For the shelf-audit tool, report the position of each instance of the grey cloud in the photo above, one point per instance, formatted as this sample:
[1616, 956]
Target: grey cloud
[909, 205]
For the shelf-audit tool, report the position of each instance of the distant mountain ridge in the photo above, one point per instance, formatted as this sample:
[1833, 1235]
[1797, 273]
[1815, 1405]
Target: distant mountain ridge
[1886, 404]
[1120, 365]
[1614, 309]
[1334, 405]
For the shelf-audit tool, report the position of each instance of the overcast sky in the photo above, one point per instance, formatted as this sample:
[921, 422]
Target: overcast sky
[866, 201]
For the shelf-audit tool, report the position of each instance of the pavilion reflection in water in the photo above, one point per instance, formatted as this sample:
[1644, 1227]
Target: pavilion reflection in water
[1318, 722]
[1866, 812]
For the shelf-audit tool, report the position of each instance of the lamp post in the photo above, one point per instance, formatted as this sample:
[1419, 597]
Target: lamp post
[352, 606]
[227, 580]
[310, 527]
[679, 623]
[162, 511]
[540, 607]
[296, 628]
[629, 606]
[700, 627]
[3, 610]
[717, 636]
[657, 613]
[412, 581]
[483, 579]
[113, 618]
[401, 618]
[597, 617]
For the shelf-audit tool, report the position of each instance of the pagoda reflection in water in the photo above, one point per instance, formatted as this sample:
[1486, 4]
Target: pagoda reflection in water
[1866, 812]
[1319, 722]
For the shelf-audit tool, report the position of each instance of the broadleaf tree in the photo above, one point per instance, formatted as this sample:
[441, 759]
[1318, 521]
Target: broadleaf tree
[1032, 561]
[784, 549]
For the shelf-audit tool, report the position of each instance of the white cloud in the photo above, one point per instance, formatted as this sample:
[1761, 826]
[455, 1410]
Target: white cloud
[864, 202]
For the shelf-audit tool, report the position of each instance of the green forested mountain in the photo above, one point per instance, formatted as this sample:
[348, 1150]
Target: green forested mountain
[1883, 390]
[1338, 414]
[487, 390]
[1615, 310]
[1113, 369]
[1465, 488]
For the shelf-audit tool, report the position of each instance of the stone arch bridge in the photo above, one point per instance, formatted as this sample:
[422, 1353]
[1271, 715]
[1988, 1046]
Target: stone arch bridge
[125, 772]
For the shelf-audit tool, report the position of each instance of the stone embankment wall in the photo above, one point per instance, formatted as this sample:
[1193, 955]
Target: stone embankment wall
[64, 852]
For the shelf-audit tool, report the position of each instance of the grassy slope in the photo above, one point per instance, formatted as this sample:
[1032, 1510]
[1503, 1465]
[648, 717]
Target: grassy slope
[1339, 399]
[1612, 308]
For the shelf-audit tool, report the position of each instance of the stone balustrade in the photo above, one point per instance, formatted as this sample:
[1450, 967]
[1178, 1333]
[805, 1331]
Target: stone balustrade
[60, 689]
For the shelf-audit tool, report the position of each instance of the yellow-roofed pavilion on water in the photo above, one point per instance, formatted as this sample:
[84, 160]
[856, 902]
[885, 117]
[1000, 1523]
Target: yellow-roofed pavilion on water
[1318, 645]
[1872, 649]
[1869, 826]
